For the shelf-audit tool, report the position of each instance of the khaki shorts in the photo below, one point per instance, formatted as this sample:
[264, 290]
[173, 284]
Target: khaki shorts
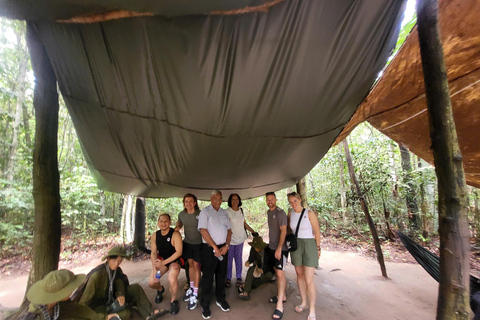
[306, 253]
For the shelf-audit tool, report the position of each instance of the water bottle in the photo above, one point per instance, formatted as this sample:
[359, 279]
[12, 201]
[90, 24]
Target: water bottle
[220, 257]
[158, 275]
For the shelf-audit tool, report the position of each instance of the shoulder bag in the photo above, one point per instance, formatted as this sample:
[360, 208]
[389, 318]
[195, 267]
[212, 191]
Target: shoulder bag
[291, 239]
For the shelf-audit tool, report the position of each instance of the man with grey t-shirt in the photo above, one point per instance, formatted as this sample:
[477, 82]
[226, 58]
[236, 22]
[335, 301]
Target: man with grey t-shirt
[277, 231]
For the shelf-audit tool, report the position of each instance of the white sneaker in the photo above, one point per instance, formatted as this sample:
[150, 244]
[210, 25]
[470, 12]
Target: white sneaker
[188, 294]
[193, 302]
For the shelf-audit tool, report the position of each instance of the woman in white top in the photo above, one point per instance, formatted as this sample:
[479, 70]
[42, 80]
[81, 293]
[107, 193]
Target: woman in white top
[239, 235]
[305, 258]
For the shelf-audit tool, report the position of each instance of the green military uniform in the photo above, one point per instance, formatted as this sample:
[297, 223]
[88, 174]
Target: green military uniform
[51, 294]
[95, 294]
[69, 310]
[261, 260]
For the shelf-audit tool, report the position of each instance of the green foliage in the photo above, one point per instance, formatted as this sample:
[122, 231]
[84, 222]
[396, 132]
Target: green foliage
[12, 237]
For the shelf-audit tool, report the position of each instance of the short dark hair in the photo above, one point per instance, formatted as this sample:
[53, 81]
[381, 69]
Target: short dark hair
[270, 194]
[165, 215]
[191, 195]
[230, 200]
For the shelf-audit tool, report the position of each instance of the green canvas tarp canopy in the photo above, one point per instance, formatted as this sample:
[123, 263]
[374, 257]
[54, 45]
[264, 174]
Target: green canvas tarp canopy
[189, 99]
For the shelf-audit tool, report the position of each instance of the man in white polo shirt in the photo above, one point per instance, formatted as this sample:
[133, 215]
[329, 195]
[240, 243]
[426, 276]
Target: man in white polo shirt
[215, 227]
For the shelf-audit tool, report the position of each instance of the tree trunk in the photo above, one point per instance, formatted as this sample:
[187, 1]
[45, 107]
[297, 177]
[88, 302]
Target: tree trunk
[410, 194]
[423, 203]
[127, 219]
[26, 126]
[312, 185]
[20, 95]
[363, 203]
[139, 235]
[132, 217]
[46, 179]
[476, 215]
[388, 232]
[302, 191]
[453, 297]
[343, 189]
[123, 207]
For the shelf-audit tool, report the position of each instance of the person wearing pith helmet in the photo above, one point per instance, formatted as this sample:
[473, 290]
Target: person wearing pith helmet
[49, 298]
[109, 291]
[260, 268]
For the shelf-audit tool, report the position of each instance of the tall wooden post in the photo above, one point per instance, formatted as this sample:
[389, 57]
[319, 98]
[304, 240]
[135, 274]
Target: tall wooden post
[46, 178]
[363, 203]
[453, 297]
[302, 191]
[139, 233]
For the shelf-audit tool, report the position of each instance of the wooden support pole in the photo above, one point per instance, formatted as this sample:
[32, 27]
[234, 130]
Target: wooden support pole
[139, 232]
[46, 178]
[363, 203]
[453, 296]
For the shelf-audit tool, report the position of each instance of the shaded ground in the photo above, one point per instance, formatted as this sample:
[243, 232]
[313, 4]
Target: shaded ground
[348, 286]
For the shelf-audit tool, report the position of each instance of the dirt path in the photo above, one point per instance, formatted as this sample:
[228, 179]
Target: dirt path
[348, 287]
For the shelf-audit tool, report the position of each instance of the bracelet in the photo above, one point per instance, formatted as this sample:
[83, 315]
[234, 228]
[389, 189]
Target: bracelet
[319, 249]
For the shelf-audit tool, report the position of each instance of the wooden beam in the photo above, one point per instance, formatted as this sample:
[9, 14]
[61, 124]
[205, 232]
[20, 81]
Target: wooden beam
[453, 296]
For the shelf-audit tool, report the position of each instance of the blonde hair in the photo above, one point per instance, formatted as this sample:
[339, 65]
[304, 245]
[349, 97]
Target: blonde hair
[294, 194]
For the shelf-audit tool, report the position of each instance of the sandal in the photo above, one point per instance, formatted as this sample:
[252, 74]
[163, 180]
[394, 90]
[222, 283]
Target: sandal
[277, 313]
[244, 296]
[238, 283]
[310, 317]
[274, 299]
[228, 283]
[300, 309]
[241, 288]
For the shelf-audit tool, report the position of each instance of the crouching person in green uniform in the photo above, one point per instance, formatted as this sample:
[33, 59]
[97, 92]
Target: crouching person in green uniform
[108, 290]
[49, 299]
[260, 268]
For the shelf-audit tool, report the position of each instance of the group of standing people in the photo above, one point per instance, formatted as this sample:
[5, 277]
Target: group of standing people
[214, 238]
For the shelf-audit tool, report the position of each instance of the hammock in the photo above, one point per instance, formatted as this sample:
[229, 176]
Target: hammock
[431, 263]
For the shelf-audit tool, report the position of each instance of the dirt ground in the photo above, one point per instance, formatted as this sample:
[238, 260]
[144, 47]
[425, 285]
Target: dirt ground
[348, 286]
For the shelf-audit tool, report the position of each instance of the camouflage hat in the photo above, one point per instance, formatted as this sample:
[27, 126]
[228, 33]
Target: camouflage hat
[54, 287]
[117, 251]
[258, 243]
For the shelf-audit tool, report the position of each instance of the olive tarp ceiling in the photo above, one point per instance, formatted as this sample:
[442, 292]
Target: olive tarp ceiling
[397, 105]
[186, 102]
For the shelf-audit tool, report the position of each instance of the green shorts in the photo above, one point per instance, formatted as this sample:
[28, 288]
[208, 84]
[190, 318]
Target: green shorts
[306, 253]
